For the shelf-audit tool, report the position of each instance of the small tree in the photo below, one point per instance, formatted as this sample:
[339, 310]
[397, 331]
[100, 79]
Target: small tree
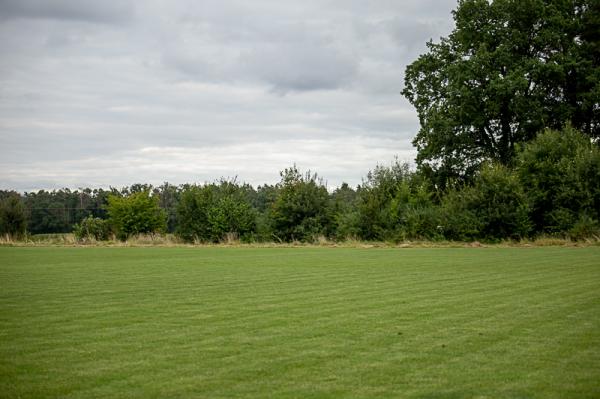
[13, 221]
[135, 214]
[231, 216]
[345, 216]
[214, 211]
[413, 210]
[375, 196]
[92, 228]
[192, 213]
[301, 210]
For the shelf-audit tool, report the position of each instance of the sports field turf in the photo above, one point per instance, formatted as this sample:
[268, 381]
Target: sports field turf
[299, 323]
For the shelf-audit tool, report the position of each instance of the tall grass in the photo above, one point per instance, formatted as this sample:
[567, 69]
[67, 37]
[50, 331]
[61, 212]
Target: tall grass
[232, 240]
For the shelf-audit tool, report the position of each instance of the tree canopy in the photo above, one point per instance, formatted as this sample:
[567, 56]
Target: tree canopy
[509, 69]
[12, 216]
[137, 213]
[212, 212]
[301, 210]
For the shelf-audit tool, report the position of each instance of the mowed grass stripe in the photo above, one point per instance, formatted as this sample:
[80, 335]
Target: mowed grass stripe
[306, 322]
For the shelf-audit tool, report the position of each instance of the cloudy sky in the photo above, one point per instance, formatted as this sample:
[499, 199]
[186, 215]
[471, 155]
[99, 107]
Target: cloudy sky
[113, 92]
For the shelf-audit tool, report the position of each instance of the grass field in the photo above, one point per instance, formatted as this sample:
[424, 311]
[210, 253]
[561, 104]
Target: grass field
[299, 323]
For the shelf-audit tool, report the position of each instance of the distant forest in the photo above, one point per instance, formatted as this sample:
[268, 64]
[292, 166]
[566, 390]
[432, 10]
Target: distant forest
[508, 148]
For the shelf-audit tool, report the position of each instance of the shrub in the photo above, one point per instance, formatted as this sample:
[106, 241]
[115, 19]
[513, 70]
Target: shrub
[560, 171]
[377, 219]
[138, 213]
[495, 207]
[231, 216]
[92, 228]
[192, 213]
[347, 224]
[413, 212]
[345, 217]
[301, 210]
[421, 223]
[459, 220]
[215, 212]
[585, 227]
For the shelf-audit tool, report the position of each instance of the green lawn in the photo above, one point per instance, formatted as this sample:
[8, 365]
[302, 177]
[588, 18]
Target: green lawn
[299, 323]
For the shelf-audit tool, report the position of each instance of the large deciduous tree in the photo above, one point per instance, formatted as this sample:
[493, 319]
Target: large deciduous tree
[509, 69]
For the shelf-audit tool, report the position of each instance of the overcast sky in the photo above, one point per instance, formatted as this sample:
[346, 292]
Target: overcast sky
[114, 92]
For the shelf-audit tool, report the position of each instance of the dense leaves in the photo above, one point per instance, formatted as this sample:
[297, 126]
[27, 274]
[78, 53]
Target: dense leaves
[92, 228]
[12, 216]
[215, 212]
[495, 207]
[561, 172]
[508, 70]
[301, 209]
[137, 213]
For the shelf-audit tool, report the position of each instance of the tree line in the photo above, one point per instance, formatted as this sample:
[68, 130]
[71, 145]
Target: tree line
[509, 111]
[552, 189]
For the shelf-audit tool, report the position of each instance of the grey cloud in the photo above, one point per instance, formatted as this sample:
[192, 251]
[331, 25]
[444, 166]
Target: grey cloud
[286, 54]
[192, 90]
[382, 9]
[305, 47]
[415, 33]
[76, 10]
[302, 67]
[283, 67]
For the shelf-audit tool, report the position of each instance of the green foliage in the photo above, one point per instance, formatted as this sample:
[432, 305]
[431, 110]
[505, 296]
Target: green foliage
[58, 210]
[396, 204]
[301, 210]
[13, 220]
[137, 213]
[413, 211]
[560, 171]
[168, 197]
[192, 213]
[503, 206]
[231, 215]
[375, 196]
[53, 212]
[345, 223]
[509, 69]
[211, 212]
[92, 228]
[584, 228]
[459, 222]
[263, 197]
[495, 207]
